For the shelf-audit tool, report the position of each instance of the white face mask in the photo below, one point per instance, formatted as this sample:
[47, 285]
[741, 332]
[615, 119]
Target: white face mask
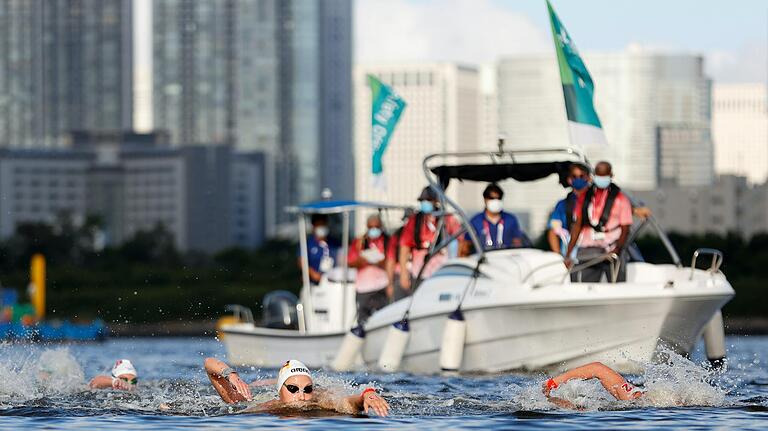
[321, 231]
[602, 181]
[494, 206]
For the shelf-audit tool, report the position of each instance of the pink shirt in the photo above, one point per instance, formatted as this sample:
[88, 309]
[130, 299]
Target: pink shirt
[370, 278]
[621, 215]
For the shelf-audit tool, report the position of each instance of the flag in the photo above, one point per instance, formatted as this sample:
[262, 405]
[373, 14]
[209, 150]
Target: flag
[385, 112]
[578, 89]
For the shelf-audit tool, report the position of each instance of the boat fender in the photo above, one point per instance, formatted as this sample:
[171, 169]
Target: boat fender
[452, 348]
[394, 346]
[349, 349]
[714, 340]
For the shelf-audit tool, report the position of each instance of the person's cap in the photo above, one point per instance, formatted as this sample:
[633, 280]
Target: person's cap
[290, 369]
[123, 366]
[428, 194]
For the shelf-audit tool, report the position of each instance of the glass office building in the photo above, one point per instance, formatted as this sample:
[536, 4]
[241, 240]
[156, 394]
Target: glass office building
[66, 65]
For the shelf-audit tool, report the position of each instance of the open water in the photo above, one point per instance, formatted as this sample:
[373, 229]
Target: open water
[45, 387]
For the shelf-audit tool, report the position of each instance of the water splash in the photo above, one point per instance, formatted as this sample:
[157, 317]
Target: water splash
[670, 381]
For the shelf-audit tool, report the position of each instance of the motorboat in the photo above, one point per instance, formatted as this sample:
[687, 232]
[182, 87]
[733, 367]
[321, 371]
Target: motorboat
[519, 307]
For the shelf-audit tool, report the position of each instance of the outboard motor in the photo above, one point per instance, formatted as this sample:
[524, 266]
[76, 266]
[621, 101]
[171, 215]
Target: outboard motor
[280, 310]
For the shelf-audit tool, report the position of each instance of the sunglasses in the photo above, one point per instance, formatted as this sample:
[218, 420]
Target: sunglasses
[132, 381]
[294, 389]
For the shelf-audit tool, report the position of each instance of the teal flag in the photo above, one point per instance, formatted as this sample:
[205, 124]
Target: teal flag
[578, 89]
[385, 113]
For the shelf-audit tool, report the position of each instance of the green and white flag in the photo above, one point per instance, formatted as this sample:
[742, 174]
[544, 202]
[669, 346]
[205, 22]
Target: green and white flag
[385, 112]
[578, 89]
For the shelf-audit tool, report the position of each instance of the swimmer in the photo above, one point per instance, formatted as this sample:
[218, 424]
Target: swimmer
[294, 388]
[612, 381]
[124, 377]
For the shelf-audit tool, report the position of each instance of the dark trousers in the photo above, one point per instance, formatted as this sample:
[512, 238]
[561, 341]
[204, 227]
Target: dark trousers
[594, 273]
[369, 302]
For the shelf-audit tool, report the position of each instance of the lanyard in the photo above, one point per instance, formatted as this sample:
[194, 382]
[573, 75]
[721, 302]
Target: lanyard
[324, 245]
[499, 233]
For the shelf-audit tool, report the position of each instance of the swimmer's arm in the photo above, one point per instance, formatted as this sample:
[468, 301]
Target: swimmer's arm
[366, 401]
[612, 381]
[101, 382]
[232, 388]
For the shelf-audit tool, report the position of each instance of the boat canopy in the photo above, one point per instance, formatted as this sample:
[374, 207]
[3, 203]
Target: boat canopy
[494, 172]
[340, 206]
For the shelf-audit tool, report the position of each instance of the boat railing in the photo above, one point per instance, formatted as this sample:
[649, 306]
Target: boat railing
[612, 258]
[717, 259]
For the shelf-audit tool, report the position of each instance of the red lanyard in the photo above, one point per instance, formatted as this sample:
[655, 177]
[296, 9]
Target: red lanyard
[499, 233]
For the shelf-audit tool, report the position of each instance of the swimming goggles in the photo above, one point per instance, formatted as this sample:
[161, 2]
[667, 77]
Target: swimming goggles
[132, 381]
[294, 389]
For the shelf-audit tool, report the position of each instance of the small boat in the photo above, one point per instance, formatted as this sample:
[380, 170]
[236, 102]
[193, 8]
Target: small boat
[521, 309]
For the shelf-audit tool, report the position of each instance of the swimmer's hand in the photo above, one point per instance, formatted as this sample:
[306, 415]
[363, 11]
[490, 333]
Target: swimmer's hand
[121, 385]
[240, 386]
[372, 401]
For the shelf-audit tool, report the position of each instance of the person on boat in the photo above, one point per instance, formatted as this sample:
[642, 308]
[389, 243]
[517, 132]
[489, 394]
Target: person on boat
[368, 255]
[419, 234]
[321, 250]
[603, 218]
[612, 381]
[562, 216]
[496, 228]
[295, 389]
[123, 377]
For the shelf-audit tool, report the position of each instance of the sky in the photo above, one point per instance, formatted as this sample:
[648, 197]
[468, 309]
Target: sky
[731, 35]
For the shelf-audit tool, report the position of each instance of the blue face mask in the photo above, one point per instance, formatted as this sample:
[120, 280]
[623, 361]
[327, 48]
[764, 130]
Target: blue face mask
[602, 181]
[426, 207]
[374, 233]
[579, 183]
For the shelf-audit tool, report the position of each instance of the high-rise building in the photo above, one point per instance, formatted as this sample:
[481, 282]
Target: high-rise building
[66, 65]
[740, 130]
[635, 93]
[442, 115]
[267, 75]
[685, 154]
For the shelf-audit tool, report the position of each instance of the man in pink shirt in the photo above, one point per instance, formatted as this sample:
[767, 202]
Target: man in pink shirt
[603, 220]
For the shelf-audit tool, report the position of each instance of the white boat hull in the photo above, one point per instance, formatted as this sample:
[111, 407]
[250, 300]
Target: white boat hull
[519, 327]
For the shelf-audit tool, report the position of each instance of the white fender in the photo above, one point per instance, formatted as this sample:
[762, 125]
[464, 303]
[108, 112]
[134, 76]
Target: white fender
[452, 348]
[349, 349]
[714, 339]
[394, 346]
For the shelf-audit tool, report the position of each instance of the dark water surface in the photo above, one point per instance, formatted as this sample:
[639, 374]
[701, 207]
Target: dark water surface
[681, 394]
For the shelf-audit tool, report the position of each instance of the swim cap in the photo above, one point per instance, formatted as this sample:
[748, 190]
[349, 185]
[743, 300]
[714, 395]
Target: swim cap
[123, 366]
[290, 369]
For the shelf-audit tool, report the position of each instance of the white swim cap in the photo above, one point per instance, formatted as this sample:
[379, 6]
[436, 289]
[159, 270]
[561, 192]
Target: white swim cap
[290, 369]
[123, 366]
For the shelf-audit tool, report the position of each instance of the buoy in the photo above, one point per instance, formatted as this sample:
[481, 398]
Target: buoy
[349, 349]
[394, 346]
[714, 340]
[452, 348]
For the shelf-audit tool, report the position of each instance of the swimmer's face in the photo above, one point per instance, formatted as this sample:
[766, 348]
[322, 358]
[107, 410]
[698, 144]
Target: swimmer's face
[297, 382]
[129, 378]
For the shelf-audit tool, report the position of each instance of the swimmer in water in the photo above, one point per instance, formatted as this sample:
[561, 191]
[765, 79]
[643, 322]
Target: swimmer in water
[124, 377]
[294, 388]
[612, 381]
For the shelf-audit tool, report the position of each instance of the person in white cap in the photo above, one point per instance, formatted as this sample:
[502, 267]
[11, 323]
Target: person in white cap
[294, 388]
[124, 377]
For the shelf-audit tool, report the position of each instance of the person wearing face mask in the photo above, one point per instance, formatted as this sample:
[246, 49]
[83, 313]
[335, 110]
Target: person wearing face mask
[368, 255]
[321, 250]
[496, 228]
[603, 220]
[418, 235]
[562, 217]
